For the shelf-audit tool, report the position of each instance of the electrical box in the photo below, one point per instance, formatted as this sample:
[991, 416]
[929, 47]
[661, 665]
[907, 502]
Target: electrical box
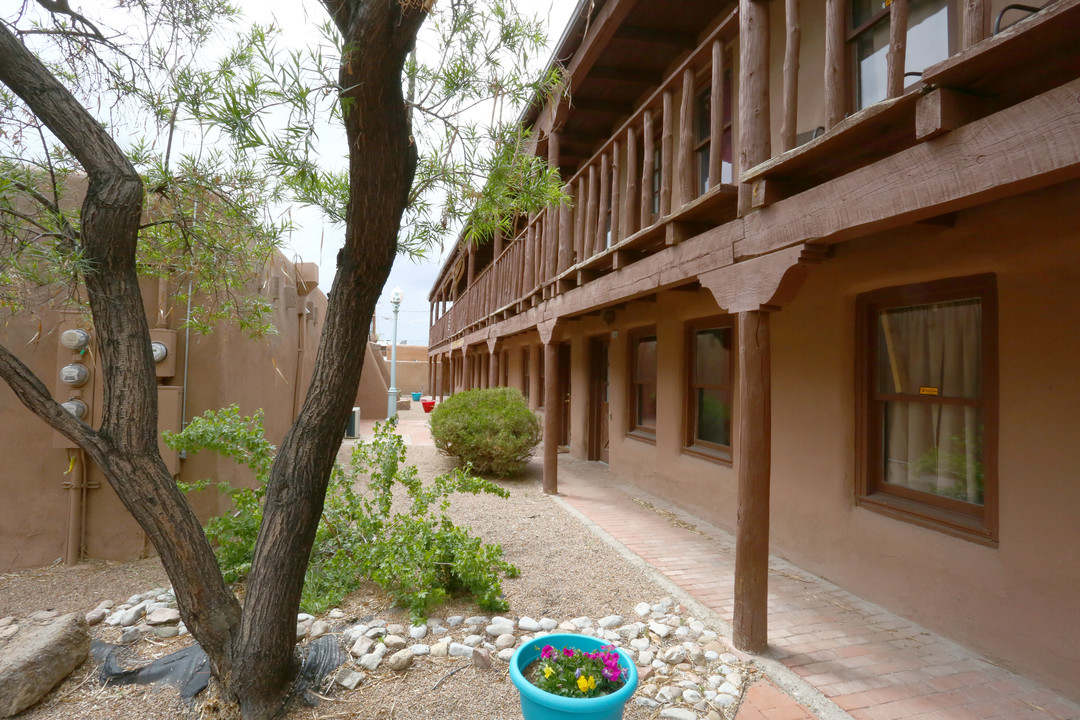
[73, 383]
[352, 428]
[164, 343]
[170, 404]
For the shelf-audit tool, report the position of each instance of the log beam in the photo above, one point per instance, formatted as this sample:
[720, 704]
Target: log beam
[552, 418]
[630, 203]
[667, 152]
[686, 139]
[753, 90]
[716, 114]
[835, 81]
[898, 22]
[647, 165]
[788, 128]
[750, 625]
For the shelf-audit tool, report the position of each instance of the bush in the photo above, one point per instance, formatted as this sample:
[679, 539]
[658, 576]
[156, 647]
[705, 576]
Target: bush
[493, 430]
[418, 556]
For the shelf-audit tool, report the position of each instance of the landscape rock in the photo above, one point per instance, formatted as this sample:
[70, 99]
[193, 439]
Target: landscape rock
[548, 624]
[481, 658]
[362, 646]
[419, 649]
[95, 616]
[459, 650]
[669, 694]
[440, 649]
[318, 629]
[454, 620]
[678, 713]
[506, 655]
[32, 663]
[418, 632]
[505, 641]
[395, 629]
[338, 614]
[400, 660]
[349, 679]
[610, 621]
[131, 634]
[8, 631]
[394, 643]
[163, 616]
[43, 615]
[371, 661]
[642, 609]
[528, 624]
[165, 631]
[472, 641]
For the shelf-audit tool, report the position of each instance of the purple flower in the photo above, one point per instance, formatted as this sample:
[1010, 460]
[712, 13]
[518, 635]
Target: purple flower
[577, 673]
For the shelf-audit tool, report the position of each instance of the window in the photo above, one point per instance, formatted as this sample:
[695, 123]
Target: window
[525, 372]
[928, 42]
[643, 382]
[709, 387]
[928, 395]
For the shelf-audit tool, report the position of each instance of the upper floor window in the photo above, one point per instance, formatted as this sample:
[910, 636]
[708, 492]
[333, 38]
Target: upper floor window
[709, 387]
[928, 379]
[928, 42]
[643, 382]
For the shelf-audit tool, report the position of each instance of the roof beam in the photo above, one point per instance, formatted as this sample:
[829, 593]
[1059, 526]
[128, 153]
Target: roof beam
[650, 36]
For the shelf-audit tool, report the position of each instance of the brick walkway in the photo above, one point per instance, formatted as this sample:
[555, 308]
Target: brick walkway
[832, 655]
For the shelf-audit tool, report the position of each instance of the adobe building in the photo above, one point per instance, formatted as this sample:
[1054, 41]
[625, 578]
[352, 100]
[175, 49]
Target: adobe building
[54, 504]
[819, 283]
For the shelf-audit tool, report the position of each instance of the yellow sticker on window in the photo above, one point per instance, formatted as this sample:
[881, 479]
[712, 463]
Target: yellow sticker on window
[924, 390]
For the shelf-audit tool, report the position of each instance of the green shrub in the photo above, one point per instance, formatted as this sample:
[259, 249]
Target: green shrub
[418, 556]
[492, 429]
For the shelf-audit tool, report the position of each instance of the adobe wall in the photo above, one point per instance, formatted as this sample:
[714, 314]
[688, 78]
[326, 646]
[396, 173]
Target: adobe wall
[1011, 602]
[223, 368]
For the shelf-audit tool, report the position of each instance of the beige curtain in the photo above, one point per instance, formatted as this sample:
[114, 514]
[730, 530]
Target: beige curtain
[930, 446]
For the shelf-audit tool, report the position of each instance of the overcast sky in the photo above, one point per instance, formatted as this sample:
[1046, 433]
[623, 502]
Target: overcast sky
[317, 241]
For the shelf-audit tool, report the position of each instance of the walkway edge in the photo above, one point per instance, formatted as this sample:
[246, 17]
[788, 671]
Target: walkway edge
[784, 678]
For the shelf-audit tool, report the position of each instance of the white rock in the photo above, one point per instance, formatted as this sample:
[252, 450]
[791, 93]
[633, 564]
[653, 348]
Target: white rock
[163, 616]
[646, 702]
[400, 660]
[418, 632]
[640, 643]
[728, 688]
[497, 629]
[660, 665]
[505, 655]
[734, 678]
[473, 641]
[568, 626]
[394, 642]
[691, 696]
[8, 631]
[642, 609]
[678, 714]
[723, 699]
[454, 620]
[134, 599]
[362, 646]
[370, 661]
[476, 620]
[631, 631]
[505, 641]
[395, 629]
[528, 624]
[710, 694]
[548, 624]
[664, 605]
[336, 614]
[439, 649]
[729, 658]
[377, 623]
[103, 605]
[669, 693]
[707, 637]
[646, 657]
[376, 632]
[379, 650]
[131, 616]
[347, 678]
[421, 649]
[304, 617]
[459, 650]
[582, 622]
[93, 617]
[682, 632]
[659, 629]
[715, 681]
[350, 635]
[318, 629]
[674, 655]
[712, 655]
[610, 621]
[301, 631]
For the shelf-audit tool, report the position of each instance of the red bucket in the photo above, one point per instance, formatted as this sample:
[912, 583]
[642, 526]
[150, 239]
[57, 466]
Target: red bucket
[428, 404]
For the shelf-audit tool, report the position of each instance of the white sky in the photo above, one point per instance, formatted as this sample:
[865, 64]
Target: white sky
[318, 241]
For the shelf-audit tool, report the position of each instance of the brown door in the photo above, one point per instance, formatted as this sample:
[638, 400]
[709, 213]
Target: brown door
[564, 393]
[598, 400]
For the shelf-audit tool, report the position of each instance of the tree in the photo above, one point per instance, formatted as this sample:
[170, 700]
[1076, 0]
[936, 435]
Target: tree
[251, 648]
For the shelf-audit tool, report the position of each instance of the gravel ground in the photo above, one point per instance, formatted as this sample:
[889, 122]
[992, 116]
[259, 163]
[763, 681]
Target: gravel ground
[566, 572]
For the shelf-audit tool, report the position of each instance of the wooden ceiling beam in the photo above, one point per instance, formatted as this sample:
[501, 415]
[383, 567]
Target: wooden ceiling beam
[606, 107]
[623, 76]
[659, 38]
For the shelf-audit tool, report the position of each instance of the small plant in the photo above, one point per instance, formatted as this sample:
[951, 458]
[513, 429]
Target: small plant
[418, 556]
[573, 673]
[493, 430]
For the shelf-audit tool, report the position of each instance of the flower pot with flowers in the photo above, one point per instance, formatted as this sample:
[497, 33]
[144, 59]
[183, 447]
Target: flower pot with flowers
[572, 676]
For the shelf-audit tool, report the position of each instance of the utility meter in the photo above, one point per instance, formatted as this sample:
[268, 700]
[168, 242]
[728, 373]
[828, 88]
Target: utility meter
[160, 350]
[76, 407]
[74, 375]
[75, 339]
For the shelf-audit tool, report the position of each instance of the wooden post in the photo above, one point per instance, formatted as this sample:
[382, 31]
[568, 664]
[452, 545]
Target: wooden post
[602, 205]
[750, 626]
[788, 128]
[493, 370]
[485, 371]
[647, 169]
[835, 17]
[753, 91]
[976, 22]
[898, 18]
[686, 139]
[472, 264]
[582, 198]
[554, 215]
[534, 378]
[590, 214]
[716, 115]
[552, 416]
[497, 244]
[616, 196]
[566, 234]
[630, 214]
[667, 153]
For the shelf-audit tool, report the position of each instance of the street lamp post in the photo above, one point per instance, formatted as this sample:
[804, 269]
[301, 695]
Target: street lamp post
[396, 296]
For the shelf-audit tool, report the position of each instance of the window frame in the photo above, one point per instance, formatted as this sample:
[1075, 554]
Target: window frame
[852, 35]
[636, 336]
[953, 517]
[691, 444]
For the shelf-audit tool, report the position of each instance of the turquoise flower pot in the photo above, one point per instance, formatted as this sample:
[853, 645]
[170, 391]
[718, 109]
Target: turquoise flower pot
[416, 397]
[537, 704]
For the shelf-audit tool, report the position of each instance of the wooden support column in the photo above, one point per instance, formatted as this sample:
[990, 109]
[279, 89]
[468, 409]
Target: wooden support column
[976, 22]
[750, 626]
[466, 370]
[898, 19]
[630, 202]
[534, 377]
[472, 265]
[493, 368]
[753, 91]
[552, 416]
[602, 205]
[497, 244]
[616, 195]
[590, 214]
[566, 234]
[529, 281]
[485, 371]
[686, 139]
[647, 161]
[835, 82]
[582, 199]
[667, 153]
[788, 127]
[716, 115]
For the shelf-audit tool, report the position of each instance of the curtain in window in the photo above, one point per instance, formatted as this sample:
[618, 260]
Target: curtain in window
[933, 442]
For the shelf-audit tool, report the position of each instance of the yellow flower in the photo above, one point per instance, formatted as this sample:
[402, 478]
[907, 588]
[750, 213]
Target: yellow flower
[586, 683]
[548, 672]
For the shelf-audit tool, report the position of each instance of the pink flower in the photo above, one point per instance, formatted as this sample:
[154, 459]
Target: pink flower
[568, 652]
[547, 652]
